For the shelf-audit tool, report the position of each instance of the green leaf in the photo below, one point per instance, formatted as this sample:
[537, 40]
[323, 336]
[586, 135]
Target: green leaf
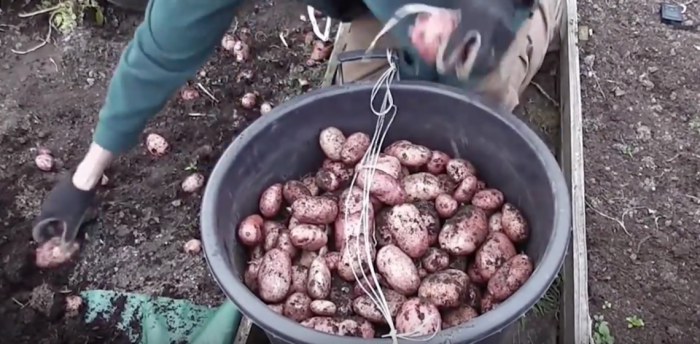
[99, 17]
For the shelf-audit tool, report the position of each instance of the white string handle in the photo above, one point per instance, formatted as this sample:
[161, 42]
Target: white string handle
[326, 35]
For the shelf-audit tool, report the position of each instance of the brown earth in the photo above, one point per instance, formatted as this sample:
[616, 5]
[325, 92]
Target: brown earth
[641, 114]
[51, 98]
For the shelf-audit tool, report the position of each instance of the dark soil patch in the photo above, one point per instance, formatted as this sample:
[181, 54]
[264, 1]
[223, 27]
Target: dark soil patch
[642, 129]
[52, 97]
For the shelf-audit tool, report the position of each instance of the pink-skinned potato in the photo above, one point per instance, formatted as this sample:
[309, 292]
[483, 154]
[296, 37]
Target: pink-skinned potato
[284, 243]
[382, 186]
[446, 205]
[293, 190]
[310, 183]
[308, 237]
[50, 255]
[366, 308]
[315, 210]
[474, 275]
[318, 285]
[306, 258]
[408, 230]
[299, 277]
[278, 308]
[340, 326]
[353, 225]
[387, 164]
[354, 258]
[514, 224]
[510, 277]
[323, 308]
[465, 232]
[430, 219]
[383, 236]
[458, 316]
[466, 189]
[327, 180]
[435, 260]
[344, 173]
[437, 163]
[444, 288]
[418, 317]
[275, 276]
[488, 199]
[271, 200]
[458, 169]
[398, 270]
[332, 260]
[472, 296]
[447, 185]
[297, 307]
[421, 186]
[409, 154]
[350, 200]
[488, 303]
[271, 233]
[495, 252]
[250, 277]
[250, 231]
[331, 141]
[354, 148]
[495, 223]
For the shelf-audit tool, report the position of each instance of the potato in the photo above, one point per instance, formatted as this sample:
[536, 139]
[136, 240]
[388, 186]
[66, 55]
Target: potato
[307, 257]
[421, 186]
[354, 148]
[369, 284]
[474, 275]
[365, 307]
[387, 164]
[294, 190]
[472, 296]
[340, 327]
[327, 181]
[458, 316]
[310, 183]
[418, 317]
[430, 219]
[513, 224]
[458, 169]
[275, 276]
[435, 260]
[495, 222]
[293, 222]
[465, 232]
[332, 141]
[437, 163]
[354, 258]
[409, 154]
[297, 307]
[318, 284]
[493, 254]
[284, 243]
[344, 173]
[466, 189]
[257, 252]
[271, 200]
[332, 260]
[279, 308]
[299, 276]
[488, 199]
[271, 232]
[383, 186]
[398, 270]
[446, 206]
[458, 262]
[250, 230]
[488, 303]
[408, 230]
[350, 200]
[447, 185]
[353, 225]
[250, 278]
[422, 273]
[445, 288]
[315, 210]
[323, 308]
[510, 277]
[308, 237]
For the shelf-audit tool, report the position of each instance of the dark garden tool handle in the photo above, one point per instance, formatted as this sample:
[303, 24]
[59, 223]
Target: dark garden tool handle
[357, 55]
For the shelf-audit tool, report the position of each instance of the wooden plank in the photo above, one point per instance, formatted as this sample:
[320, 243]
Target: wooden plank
[243, 331]
[338, 47]
[575, 322]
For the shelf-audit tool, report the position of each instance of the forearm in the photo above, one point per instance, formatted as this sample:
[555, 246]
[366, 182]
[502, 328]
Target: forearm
[91, 169]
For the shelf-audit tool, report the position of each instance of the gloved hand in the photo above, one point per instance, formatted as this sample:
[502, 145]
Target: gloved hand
[56, 228]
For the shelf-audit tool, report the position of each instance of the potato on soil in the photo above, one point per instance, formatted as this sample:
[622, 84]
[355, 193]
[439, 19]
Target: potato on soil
[315, 210]
[308, 237]
[488, 199]
[495, 222]
[447, 185]
[284, 243]
[250, 230]
[398, 270]
[408, 230]
[331, 141]
[466, 189]
[497, 250]
[458, 316]
[271, 233]
[275, 276]
[340, 327]
[445, 288]
[297, 307]
[510, 277]
[418, 317]
[352, 225]
[513, 224]
[465, 232]
[354, 148]
[458, 169]
[437, 163]
[310, 183]
[323, 308]
[250, 277]
[488, 303]
[446, 206]
[354, 258]
[472, 296]
[366, 308]
[307, 257]
[271, 200]
[421, 186]
[383, 186]
[318, 284]
[299, 278]
[474, 275]
[430, 219]
[344, 173]
[435, 260]
[327, 181]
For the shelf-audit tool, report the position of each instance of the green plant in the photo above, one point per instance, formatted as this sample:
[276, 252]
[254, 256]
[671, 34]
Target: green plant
[601, 331]
[66, 15]
[634, 322]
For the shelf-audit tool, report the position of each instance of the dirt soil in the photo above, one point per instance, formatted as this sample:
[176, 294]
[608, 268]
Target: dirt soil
[641, 109]
[51, 98]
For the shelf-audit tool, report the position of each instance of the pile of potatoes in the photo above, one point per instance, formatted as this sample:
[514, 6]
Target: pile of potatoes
[442, 243]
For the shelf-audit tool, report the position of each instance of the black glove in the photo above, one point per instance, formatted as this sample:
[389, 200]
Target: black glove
[63, 212]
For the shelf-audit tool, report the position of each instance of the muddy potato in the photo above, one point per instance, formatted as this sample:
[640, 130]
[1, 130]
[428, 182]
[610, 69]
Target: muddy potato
[437, 163]
[306, 258]
[418, 317]
[495, 222]
[458, 316]
[284, 243]
[458, 262]
[398, 270]
[383, 235]
[271, 200]
[465, 232]
[318, 284]
[446, 206]
[383, 186]
[315, 210]
[271, 232]
[497, 250]
[323, 308]
[250, 278]
[421, 186]
[354, 259]
[344, 173]
[250, 230]
[458, 169]
[294, 190]
[257, 252]
[292, 222]
[447, 185]
[466, 189]
[472, 296]
[474, 275]
[297, 307]
[488, 199]
[389, 165]
[430, 219]
[340, 327]
[445, 288]
[275, 276]
[435, 260]
[510, 277]
[366, 308]
[513, 224]
[354, 148]
[394, 148]
[352, 225]
[350, 200]
[409, 154]
[327, 181]
[407, 228]
[278, 308]
[310, 183]
[332, 259]
[308, 237]
[488, 303]
[331, 141]
[299, 276]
